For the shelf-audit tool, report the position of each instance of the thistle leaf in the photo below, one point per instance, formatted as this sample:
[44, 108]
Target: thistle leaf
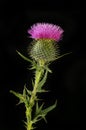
[28, 91]
[20, 96]
[38, 109]
[24, 92]
[63, 55]
[40, 114]
[16, 94]
[43, 117]
[46, 68]
[33, 83]
[45, 111]
[25, 58]
[41, 83]
[43, 91]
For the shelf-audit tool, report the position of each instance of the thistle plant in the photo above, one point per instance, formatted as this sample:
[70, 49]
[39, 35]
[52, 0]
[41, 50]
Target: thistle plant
[42, 51]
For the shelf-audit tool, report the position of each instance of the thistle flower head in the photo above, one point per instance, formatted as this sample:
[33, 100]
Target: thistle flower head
[46, 31]
[44, 48]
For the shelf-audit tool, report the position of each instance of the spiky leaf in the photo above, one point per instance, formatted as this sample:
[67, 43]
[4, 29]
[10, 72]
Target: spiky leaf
[41, 83]
[24, 57]
[50, 108]
[20, 96]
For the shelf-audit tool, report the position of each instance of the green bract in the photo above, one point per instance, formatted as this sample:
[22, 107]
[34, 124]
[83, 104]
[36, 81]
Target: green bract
[44, 50]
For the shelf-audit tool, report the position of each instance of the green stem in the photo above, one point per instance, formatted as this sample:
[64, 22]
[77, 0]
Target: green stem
[39, 72]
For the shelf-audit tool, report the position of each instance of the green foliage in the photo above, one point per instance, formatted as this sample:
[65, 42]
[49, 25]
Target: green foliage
[30, 98]
[63, 55]
[43, 54]
[20, 96]
[25, 58]
[41, 113]
[42, 82]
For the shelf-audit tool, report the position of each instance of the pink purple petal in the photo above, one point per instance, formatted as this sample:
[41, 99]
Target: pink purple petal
[46, 31]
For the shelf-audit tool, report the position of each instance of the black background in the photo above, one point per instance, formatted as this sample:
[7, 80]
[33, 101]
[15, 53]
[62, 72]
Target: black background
[68, 80]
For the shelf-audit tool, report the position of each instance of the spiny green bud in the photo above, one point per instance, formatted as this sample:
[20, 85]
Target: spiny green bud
[44, 50]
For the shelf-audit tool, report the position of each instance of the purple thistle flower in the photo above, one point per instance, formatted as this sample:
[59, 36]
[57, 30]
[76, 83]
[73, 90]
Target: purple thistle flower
[46, 31]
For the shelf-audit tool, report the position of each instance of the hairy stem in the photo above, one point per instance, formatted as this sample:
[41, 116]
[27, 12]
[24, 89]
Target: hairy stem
[38, 74]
